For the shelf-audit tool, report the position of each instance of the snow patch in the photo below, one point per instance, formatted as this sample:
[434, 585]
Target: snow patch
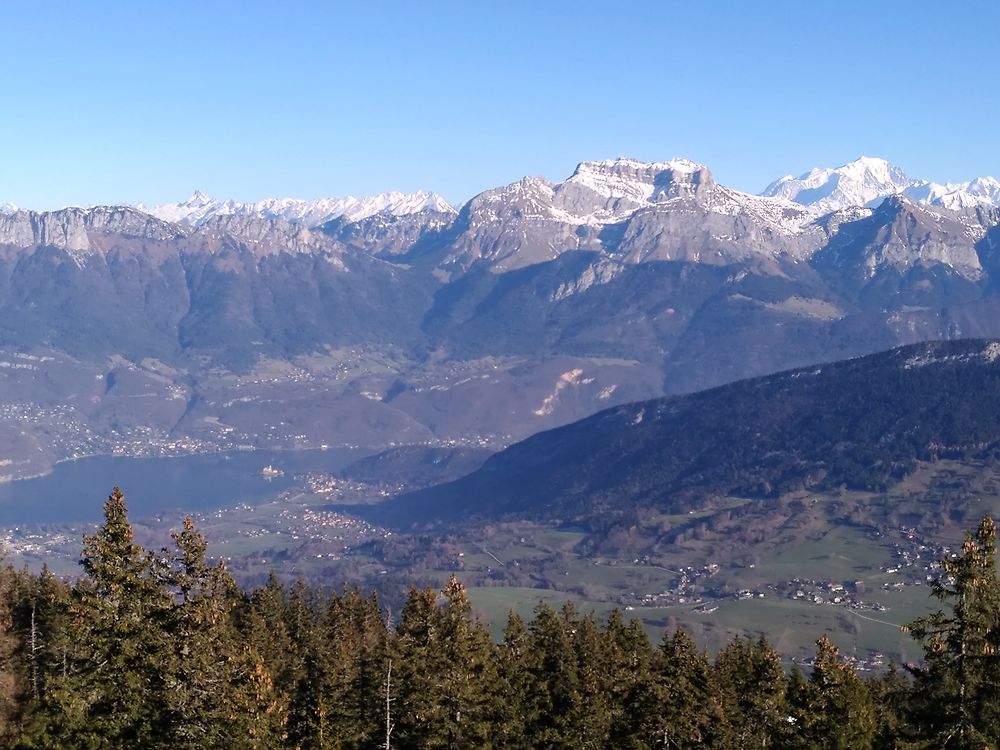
[990, 354]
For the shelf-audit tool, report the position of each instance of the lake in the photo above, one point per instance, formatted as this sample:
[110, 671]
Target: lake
[75, 491]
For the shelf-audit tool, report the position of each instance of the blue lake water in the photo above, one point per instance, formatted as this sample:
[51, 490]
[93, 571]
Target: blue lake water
[75, 491]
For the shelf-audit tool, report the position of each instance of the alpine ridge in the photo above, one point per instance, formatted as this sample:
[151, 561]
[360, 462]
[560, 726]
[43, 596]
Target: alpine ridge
[400, 320]
[200, 208]
[866, 181]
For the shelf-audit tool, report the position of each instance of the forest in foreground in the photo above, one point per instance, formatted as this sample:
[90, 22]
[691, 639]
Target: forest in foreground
[161, 649]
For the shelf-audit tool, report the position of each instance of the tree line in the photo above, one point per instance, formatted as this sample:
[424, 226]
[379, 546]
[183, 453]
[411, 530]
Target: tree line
[161, 649]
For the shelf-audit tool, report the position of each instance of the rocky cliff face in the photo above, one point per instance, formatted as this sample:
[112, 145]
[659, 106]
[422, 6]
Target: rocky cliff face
[70, 229]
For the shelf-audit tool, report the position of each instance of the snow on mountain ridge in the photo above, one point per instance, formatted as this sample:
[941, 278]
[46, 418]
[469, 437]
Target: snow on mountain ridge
[199, 208]
[629, 178]
[978, 192]
[861, 182]
[628, 185]
[867, 181]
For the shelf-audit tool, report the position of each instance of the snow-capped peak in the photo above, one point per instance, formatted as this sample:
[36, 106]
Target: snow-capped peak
[867, 181]
[8, 208]
[625, 163]
[862, 182]
[633, 180]
[199, 208]
[982, 191]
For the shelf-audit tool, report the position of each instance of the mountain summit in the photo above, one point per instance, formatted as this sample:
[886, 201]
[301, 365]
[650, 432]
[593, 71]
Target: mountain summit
[200, 208]
[866, 181]
[538, 303]
[862, 182]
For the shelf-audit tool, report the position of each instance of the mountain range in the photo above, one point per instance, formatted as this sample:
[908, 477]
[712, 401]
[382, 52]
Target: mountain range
[866, 181]
[398, 319]
[199, 208]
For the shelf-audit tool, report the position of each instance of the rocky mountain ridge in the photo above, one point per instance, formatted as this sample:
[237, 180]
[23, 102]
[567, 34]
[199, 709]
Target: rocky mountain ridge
[867, 181]
[537, 304]
[200, 208]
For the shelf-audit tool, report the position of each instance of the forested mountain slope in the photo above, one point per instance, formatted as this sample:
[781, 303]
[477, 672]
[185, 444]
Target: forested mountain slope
[860, 424]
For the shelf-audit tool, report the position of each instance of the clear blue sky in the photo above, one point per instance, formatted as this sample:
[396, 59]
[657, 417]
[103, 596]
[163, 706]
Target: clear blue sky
[112, 101]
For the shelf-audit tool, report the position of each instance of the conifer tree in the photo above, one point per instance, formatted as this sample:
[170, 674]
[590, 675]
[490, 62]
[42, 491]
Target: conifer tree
[554, 679]
[113, 692]
[357, 652]
[338, 695]
[212, 696]
[46, 637]
[956, 697]
[413, 648]
[12, 677]
[591, 711]
[445, 673]
[834, 709]
[750, 684]
[262, 619]
[513, 710]
[308, 711]
[629, 654]
[683, 686]
[890, 695]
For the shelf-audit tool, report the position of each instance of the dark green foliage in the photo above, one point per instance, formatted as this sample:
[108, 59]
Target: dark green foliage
[356, 651]
[890, 693]
[15, 678]
[163, 651]
[216, 695]
[689, 715]
[627, 672]
[115, 690]
[749, 680]
[445, 673]
[957, 689]
[514, 711]
[553, 679]
[834, 708]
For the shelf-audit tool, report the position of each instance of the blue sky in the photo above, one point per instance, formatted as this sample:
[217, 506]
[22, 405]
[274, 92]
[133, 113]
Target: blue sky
[109, 102]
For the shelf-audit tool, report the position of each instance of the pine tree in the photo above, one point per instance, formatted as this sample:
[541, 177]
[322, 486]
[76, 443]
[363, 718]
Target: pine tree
[356, 654]
[12, 676]
[750, 684]
[591, 712]
[309, 710]
[834, 710]
[413, 648]
[262, 621]
[682, 684]
[445, 673]
[512, 712]
[211, 696]
[629, 654]
[890, 695]
[46, 625]
[956, 697]
[554, 681]
[113, 693]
